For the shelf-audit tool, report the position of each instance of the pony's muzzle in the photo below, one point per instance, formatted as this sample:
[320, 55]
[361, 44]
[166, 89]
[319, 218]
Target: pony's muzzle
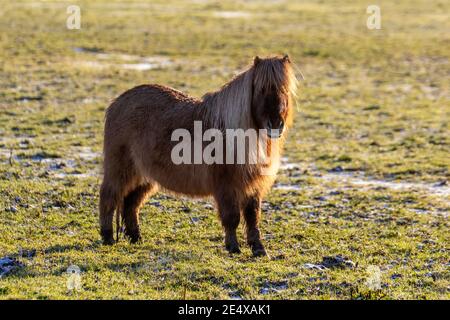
[274, 132]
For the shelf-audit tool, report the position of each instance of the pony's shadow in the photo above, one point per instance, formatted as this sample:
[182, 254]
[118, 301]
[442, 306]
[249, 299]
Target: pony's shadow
[19, 269]
[58, 248]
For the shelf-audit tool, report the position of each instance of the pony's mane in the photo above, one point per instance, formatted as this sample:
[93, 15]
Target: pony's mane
[230, 106]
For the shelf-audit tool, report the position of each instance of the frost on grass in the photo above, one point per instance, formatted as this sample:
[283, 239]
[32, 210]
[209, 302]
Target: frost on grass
[358, 179]
[124, 61]
[232, 14]
[331, 262]
[8, 265]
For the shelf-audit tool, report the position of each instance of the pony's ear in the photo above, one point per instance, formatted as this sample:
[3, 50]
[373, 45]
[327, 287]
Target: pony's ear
[286, 58]
[256, 60]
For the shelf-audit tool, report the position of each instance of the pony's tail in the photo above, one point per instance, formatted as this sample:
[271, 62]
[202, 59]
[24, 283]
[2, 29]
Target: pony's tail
[119, 220]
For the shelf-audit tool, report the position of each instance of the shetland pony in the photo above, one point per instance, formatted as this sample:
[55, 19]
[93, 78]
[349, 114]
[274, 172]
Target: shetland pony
[137, 148]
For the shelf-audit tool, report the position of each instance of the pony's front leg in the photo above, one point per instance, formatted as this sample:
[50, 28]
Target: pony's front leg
[230, 214]
[252, 211]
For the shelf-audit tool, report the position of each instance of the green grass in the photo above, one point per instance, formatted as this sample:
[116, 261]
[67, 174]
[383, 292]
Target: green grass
[374, 104]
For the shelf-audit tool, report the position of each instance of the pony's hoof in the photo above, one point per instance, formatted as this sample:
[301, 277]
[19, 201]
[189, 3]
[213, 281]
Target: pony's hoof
[135, 239]
[259, 251]
[233, 249]
[107, 237]
[108, 241]
[133, 236]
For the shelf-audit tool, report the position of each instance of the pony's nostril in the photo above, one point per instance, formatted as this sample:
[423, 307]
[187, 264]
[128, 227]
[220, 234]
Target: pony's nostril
[279, 125]
[269, 124]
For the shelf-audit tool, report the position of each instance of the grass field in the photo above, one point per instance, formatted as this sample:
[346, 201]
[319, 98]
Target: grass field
[362, 195]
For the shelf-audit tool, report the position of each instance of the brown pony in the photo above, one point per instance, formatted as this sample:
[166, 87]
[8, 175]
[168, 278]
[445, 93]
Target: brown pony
[138, 145]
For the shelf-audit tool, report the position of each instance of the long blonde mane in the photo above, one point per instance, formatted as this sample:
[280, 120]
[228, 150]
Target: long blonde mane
[230, 106]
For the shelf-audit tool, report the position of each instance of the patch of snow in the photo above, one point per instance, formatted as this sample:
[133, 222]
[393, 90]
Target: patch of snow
[231, 14]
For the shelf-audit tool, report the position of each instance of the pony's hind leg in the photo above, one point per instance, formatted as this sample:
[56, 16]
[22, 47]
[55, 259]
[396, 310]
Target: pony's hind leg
[108, 203]
[119, 178]
[252, 211]
[131, 206]
[230, 214]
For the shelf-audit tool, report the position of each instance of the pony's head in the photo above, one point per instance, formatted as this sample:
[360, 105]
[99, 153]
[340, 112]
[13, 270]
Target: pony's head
[273, 86]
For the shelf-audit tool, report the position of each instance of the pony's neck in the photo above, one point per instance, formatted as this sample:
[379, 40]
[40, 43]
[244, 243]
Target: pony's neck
[230, 106]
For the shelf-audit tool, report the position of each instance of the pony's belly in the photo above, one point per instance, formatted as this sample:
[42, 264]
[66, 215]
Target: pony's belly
[191, 180]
